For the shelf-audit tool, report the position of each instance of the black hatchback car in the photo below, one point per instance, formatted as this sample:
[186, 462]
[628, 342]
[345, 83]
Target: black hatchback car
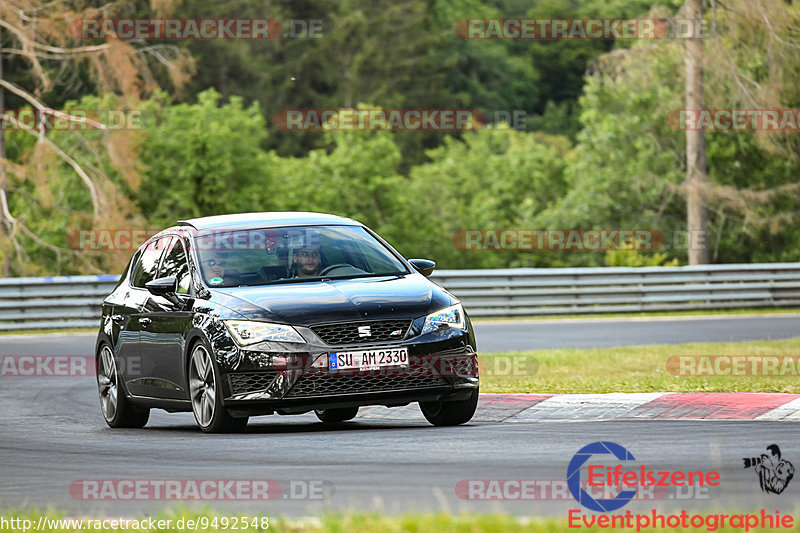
[234, 316]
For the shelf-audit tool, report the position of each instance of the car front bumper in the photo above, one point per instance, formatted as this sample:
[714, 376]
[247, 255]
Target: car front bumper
[443, 365]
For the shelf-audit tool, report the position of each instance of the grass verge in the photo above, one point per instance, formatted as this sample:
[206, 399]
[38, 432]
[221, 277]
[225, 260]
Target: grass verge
[629, 369]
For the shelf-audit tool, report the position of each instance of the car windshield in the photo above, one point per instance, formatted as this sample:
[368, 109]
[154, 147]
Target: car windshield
[292, 254]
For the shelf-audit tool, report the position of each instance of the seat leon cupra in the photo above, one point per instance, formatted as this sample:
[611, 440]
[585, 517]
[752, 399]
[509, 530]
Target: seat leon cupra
[234, 316]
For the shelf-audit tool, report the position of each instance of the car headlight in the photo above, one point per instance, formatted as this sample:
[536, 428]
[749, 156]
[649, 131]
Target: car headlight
[246, 332]
[449, 317]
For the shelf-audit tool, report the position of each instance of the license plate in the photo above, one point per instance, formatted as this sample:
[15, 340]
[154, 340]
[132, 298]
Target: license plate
[368, 359]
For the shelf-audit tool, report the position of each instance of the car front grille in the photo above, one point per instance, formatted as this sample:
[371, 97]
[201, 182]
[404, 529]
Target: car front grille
[368, 332]
[243, 383]
[328, 385]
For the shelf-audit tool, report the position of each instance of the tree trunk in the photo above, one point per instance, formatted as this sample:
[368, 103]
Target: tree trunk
[5, 262]
[696, 176]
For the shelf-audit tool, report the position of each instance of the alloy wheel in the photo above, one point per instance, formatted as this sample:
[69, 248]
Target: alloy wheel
[202, 386]
[107, 383]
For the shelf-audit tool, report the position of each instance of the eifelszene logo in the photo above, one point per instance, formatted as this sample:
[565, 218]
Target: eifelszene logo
[574, 477]
[629, 478]
[774, 473]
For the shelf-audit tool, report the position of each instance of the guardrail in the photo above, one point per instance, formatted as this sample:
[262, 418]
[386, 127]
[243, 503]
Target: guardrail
[53, 302]
[74, 301]
[558, 291]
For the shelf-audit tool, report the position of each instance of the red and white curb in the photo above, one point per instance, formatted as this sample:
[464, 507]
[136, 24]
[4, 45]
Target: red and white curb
[618, 406]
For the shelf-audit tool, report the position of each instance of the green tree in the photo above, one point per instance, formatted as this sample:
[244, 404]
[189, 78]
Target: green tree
[357, 178]
[201, 157]
[493, 178]
[627, 168]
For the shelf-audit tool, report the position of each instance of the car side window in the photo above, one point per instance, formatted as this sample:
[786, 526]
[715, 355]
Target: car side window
[175, 264]
[130, 270]
[147, 266]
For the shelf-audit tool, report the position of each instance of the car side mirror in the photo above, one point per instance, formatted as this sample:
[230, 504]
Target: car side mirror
[163, 286]
[423, 266]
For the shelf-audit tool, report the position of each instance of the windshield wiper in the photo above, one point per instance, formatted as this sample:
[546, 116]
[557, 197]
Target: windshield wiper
[327, 278]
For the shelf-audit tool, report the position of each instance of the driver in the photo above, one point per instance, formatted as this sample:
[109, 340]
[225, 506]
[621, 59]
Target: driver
[307, 261]
[214, 268]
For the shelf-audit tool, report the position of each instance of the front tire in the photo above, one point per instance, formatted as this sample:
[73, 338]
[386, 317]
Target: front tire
[441, 413]
[336, 415]
[117, 409]
[205, 393]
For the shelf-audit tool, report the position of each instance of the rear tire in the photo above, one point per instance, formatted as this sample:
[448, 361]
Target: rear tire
[336, 415]
[117, 409]
[452, 413]
[205, 394]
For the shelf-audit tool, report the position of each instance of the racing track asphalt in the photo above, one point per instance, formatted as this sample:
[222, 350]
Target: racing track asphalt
[52, 434]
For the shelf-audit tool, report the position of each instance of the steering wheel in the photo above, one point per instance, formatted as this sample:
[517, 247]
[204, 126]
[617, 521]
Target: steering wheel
[329, 268]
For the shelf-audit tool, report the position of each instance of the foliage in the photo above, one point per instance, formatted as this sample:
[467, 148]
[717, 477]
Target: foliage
[627, 168]
[53, 202]
[201, 157]
[598, 153]
[493, 178]
[635, 258]
[54, 179]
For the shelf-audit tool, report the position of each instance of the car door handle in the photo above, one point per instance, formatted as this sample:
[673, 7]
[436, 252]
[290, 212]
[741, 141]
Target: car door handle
[144, 321]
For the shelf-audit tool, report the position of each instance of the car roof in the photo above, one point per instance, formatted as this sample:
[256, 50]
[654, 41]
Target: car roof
[270, 219]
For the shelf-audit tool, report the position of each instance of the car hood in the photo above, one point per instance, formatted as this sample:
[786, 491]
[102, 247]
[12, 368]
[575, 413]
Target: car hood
[309, 303]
